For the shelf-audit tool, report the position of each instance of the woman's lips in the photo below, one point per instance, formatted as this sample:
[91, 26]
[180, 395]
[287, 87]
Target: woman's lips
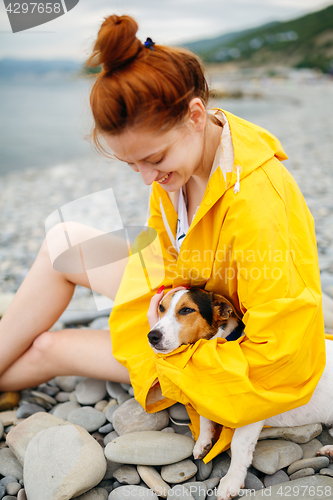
[164, 179]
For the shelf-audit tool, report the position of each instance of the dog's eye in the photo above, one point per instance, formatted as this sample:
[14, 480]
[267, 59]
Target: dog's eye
[185, 310]
[161, 308]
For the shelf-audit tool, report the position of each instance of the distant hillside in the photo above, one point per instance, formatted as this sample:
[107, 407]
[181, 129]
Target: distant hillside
[14, 67]
[303, 42]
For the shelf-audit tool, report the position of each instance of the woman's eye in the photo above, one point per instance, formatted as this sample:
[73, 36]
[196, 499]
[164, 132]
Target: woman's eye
[157, 162]
[186, 310]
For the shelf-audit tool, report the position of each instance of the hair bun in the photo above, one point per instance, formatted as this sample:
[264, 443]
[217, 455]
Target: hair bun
[116, 44]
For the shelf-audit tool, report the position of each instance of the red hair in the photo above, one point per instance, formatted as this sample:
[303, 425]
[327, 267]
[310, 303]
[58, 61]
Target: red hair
[139, 86]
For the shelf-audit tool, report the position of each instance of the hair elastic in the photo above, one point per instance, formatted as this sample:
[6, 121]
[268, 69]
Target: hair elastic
[149, 44]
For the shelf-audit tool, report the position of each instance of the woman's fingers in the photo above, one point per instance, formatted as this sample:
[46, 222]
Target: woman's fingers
[152, 314]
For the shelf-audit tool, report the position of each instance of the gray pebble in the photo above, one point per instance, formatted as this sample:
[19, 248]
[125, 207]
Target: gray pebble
[28, 409]
[87, 417]
[204, 470]
[63, 410]
[127, 474]
[178, 412]
[168, 429]
[111, 467]
[9, 497]
[13, 488]
[110, 411]
[46, 397]
[48, 389]
[9, 465]
[197, 489]
[178, 472]
[105, 429]
[252, 482]
[125, 386]
[21, 495]
[315, 463]
[221, 465]
[67, 383]
[302, 473]
[94, 494]
[179, 428]
[123, 397]
[89, 391]
[110, 437]
[310, 449]
[1, 430]
[132, 492]
[212, 482]
[326, 472]
[7, 479]
[179, 492]
[325, 437]
[27, 397]
[62, 396]
[131, 417]
[114, 389]
[2, 491]
[279, 477]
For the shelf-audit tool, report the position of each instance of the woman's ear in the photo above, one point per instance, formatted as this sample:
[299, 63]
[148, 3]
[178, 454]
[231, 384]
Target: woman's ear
[197, 114]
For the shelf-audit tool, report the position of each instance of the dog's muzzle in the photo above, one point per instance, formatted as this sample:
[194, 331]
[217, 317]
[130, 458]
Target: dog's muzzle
[154, 336]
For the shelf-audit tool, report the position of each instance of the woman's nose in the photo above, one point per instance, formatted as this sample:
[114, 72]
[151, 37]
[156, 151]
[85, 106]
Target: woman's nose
[148, 173]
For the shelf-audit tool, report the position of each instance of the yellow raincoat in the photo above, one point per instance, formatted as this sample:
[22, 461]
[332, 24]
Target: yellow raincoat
[257, 247]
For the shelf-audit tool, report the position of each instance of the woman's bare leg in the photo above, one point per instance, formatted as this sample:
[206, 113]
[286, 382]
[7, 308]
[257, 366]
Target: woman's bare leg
[40, 300]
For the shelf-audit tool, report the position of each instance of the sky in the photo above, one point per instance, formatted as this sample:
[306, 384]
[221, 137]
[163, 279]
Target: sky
[71, 36]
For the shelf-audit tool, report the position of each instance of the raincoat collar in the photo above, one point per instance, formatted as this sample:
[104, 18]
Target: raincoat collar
[252, 145]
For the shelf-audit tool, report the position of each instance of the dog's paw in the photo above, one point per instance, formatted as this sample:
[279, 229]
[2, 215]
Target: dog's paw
[201, 448]
[229, 487]
[326, 450]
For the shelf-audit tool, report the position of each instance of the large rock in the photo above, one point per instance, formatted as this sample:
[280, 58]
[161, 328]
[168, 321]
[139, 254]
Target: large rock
[271, 455]
[62, 462]
[89, 391]
[131, 417]
[149, 448]
[299, 434]
[9, 465]
[20, 436]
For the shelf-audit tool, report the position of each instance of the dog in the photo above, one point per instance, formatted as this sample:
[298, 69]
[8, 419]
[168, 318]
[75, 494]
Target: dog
[187, 315]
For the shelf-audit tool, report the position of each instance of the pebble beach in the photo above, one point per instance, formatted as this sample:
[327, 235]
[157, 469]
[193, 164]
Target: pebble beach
[81, 438]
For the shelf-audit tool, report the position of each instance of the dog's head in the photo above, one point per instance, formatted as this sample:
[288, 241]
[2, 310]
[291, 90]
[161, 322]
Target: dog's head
[189, 315]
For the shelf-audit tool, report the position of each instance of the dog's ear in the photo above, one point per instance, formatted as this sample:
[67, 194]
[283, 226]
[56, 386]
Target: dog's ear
[222, 308]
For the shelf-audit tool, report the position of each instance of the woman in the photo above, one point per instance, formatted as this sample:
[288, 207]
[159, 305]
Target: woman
[229, 218]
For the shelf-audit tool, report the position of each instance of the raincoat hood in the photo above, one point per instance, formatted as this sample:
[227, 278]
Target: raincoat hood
[252, 240]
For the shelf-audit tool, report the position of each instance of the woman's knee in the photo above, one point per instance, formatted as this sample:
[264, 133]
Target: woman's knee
[43, 345]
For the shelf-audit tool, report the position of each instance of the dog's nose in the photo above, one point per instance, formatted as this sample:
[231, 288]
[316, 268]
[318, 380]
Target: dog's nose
[154, 336]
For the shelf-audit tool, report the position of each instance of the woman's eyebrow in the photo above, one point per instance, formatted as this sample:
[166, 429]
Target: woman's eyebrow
[143, 159]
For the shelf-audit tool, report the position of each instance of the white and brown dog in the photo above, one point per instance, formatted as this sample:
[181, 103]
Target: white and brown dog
[186, 316]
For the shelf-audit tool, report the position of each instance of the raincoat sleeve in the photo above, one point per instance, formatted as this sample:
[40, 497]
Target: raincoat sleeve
[274, 280]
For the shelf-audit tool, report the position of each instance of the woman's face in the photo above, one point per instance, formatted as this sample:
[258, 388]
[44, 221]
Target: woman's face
[169, 158]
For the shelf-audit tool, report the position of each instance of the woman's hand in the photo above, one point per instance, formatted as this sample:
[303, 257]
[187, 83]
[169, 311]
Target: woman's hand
[152, 313]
